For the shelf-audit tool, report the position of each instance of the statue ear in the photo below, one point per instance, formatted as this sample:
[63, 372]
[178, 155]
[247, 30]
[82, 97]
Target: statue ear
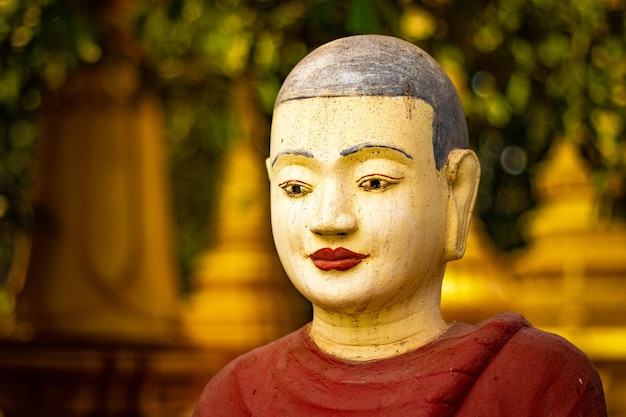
[462, 170]
[268, 166]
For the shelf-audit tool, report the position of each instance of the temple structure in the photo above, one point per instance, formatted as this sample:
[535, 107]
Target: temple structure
[102, 247]
[570, 279]
[98, 328]
[242, 297]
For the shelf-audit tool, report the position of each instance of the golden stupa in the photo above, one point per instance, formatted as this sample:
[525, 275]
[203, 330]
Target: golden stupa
[571, 278]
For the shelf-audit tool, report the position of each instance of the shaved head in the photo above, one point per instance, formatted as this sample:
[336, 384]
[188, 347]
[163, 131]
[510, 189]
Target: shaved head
[374, 65]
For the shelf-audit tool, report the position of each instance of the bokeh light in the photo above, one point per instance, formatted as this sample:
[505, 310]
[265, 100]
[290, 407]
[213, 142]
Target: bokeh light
[513, 160]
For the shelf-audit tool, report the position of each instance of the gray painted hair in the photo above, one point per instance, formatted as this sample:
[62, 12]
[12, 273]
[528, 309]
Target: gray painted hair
[375, 65]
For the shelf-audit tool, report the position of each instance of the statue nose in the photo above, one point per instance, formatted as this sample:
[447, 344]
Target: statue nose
[339, 225]
[334, 216]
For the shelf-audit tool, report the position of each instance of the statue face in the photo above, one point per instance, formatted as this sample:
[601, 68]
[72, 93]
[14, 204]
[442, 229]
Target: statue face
[358, 207]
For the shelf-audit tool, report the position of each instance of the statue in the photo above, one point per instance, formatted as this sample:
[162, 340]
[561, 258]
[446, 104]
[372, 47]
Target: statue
[372, 189]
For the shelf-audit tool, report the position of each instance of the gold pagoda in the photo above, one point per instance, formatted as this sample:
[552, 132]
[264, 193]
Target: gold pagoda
[571, 277]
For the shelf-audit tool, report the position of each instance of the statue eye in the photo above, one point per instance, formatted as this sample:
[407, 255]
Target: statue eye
[377, 182]
[296, 188]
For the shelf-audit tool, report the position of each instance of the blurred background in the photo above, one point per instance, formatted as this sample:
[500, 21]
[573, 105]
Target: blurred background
[135, 250]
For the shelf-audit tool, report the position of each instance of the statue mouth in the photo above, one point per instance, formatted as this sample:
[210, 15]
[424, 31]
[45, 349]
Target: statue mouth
[340, 259]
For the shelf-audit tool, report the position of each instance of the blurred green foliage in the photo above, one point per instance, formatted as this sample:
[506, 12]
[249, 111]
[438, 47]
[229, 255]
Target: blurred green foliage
[529, 72]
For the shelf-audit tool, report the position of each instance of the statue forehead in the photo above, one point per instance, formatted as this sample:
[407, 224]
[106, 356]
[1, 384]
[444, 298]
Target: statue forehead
[330, 121]
[370, 65]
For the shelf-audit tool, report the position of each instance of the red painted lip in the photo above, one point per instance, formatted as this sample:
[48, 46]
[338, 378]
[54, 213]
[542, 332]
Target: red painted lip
[340, 259]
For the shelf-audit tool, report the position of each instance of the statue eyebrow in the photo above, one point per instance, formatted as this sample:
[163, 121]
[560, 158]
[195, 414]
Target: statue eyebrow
[349, 151]
[357, 148]
[297, 152]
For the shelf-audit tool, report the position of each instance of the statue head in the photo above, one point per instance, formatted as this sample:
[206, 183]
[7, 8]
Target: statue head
[372, 186]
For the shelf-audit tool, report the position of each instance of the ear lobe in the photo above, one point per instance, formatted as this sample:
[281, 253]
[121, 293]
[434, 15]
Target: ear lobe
[462, 171]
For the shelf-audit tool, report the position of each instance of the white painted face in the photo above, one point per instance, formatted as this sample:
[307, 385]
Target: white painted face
[358, 207]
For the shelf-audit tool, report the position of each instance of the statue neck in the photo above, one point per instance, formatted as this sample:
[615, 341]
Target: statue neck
[379, 334]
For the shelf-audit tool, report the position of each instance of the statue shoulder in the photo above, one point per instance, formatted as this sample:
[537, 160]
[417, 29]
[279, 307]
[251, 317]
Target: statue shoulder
[537, 373]
[231, 390]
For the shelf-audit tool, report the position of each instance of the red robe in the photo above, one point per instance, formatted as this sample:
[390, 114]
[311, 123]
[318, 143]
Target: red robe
[501, 367]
